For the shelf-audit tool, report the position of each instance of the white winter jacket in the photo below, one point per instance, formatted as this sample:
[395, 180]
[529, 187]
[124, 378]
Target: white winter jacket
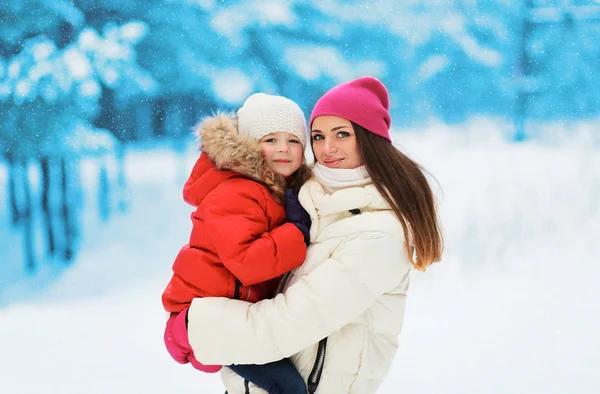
[351, 289]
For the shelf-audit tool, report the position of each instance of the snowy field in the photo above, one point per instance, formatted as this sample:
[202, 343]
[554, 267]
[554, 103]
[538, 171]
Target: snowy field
[513, 308]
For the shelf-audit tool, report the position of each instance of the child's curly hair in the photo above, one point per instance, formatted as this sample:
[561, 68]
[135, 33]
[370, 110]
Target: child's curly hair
[299, 178]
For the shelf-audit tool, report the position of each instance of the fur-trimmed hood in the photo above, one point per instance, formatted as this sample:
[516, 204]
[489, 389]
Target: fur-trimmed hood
[228, 150]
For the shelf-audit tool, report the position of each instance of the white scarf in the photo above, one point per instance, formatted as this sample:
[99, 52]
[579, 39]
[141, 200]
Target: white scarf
[334, 179]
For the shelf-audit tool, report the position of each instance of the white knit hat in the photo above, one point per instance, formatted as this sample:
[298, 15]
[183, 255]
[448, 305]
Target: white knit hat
[262, 114]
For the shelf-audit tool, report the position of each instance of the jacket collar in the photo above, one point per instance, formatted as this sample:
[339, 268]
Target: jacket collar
[225, 153]
[358, 197]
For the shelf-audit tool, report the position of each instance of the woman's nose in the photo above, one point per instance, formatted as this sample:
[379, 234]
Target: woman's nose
[283, 148]
[330, 147]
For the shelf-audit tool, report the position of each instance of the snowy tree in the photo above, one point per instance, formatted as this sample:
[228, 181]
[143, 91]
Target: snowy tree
[48, 99]
[47, 93]
[446, 59]
[565, 58]
[21, 19]
[443, 59]
[182, 54]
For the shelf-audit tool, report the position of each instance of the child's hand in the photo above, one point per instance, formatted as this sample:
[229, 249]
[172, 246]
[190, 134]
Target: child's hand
[178, 345]
[296, 214]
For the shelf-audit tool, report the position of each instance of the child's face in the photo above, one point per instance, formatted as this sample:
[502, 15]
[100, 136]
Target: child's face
[283, 151]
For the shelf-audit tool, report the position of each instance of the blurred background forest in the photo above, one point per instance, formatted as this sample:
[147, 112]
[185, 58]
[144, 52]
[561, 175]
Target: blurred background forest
[82, 78]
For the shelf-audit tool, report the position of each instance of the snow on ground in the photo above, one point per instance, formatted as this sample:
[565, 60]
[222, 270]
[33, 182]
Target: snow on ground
[513, 307]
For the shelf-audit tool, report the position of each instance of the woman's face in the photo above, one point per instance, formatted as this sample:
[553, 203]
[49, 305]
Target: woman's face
[334, 142]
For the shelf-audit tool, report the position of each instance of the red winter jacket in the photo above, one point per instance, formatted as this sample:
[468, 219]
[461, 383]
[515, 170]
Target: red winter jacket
[240, 243]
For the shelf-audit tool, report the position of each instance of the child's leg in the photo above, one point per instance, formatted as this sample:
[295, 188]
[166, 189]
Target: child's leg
[279, 377]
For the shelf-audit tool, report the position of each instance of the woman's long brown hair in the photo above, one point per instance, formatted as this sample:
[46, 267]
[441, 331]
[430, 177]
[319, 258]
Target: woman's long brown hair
[403, 184]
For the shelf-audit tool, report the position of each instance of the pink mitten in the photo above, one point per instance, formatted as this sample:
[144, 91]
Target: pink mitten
[178, 345]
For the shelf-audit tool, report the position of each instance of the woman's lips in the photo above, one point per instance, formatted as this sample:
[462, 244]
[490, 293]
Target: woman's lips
[282, 161]
[332, 162]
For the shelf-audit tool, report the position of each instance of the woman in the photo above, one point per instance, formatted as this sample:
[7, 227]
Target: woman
[373, 219]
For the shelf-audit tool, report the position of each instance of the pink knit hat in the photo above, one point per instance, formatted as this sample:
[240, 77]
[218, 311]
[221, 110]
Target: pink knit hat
[363, 101]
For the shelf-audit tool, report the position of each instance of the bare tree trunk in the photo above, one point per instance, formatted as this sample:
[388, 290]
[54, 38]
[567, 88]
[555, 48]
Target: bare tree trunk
[144, 122]
[158, 116]
[175, 120]
[66, 213]
[12, 189]
[103, 193]
[45, 165]
[27, 220]
[123, 201]
[524, 70]
[176, 123]
[108, 114]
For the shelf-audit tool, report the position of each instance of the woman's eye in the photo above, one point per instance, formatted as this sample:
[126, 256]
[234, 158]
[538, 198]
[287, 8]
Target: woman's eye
[294, 141]
[343, 134]
[317, 137]
[270, 140]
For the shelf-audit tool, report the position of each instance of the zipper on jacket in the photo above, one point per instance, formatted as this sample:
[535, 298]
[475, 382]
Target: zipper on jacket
[283, 281]
[236, 290]
[315, 375]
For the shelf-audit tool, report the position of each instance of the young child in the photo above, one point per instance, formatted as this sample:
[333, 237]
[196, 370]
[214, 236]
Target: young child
[243, 238]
